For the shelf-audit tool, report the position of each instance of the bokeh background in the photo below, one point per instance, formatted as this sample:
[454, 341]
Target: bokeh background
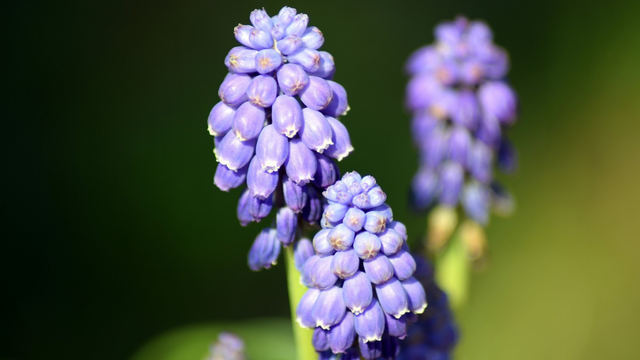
[115, 235]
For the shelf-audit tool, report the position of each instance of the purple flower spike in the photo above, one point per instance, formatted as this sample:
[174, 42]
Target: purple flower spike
[404, 265]
[233, 90]
[366, 245]
[467, 110]
[286, 116]
[302, 251]
[220, 119]
[452, 178]
[234, 153]
[313, 38]
[305, 306]
[298, 25]
[379, 269]
[481, 160]
[375, 222]
[459, 145]
[415, 295]
[329, 308]
[315, 132]
[295, 196]
[261, 183]
[321, 243]
[357, 292]
[289, 45]
[498, 100]
[392, 298]
[248, 121]
[354, 219]
[338, 105]
[318, 94]
[307, 58]
[260, 208]
[286, 225]
[241, 60]
[345, 263]
[261, 20]
[272, 149]
[260, 39]
[320, 339]
[391, 241]
[262, 91]
[242, 33]
[292, 78]
[327, 66]
[476, 199]
[341, 147]
[226, 179]
[243, 208]
[370, 350]
[370, 323]
[341, 237]
[424, 188]
[327, 172]
[341, 336]
[301, 165]
[268, 60]
[396, 327]
[321, 275]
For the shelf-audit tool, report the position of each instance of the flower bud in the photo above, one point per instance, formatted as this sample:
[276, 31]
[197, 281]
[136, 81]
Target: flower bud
[272, 149]
[261, 20]
[302, 251]
[327, 66]
[321, 243]
[354, 219]
[366, 245]
[286, 15]
[378, 269]
[220, 119]
[305, 307]
[345, 263]
[286, 224]
[262, 91]
[278, 32]
[301, 164]
[268, 60]
[265, 250]
[338, 105]
[234, 153]
[313, 208]
[226, 179]
[286, 115]
[370, 323]
[242, 32]
[241, 60]
[340, 237]
[375, 222]
[295, 196]
[243, 208]
[317, 94]
[261, 183]
[298, 25]
[370, 350]
[451, 178]
[307, 271]
[312, 38]
[322, 277]
[391, 241]
[392, 298]
[357, 292]
[373, 198]
[341, 146]
[396, 327]
[292, 78]
[315, 132]
[233, 90]
[248, 121]
[260, 208]
[320, 339]
[404, 265]
[327, 172]
[307, 58]
[417, 299]
[289, 44]
[498, 100]
[399, 228]
[481, 162]
[329, 309]
[260, 39]
[342, 335]
[335, 212]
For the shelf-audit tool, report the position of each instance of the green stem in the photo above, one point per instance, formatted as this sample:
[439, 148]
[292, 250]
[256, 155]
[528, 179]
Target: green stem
[302, 336]
[452, 271]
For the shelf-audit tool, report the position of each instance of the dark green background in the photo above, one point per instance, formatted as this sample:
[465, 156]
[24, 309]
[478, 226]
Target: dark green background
[113, 232]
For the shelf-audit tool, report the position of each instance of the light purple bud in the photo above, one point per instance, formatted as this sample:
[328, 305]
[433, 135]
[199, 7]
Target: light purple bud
[416, 295]
[375, 222]
[385, 210]
[327, 66]
[357, 292]
[345, 263]
[329, 308]
[392, 298]
[220, 119]
[341, 336]
[476, 199]
[241, 59]
[320, 339]
[507, 157]
[452, 179]
[373, 198]
[260, 39]
[262, 91]
[366, 245]
[370, 323]
[289, 45]
[391, 241]
[248, 121]
[396, 327]
[265, 250]
[287, 116]
[315, 132]
[327, 172]
[466, 113]
[301, 164]
[317, 94]
[298, 25]
[272, 149]
[292, 78]
[268, 60]
[321, 243]
[242, 33]
[286, 224]
[399, 228]
[424, 187]
[295, 196]
[260, 208]
[302, 251]
[243, 208]
[307, 270]
[404, 265]
[351, 178]
[305, 307]
[307, 58]
[498, 100]
[278, 32]
[367, 183]
[355, 189]
[481, 162]
[370, 350]
[261, 183]
[312, 211]
[340, 237]
[338, 105]
[335, 212]
[261, 20]
[286, 15]
[234, 153]
[459, 145]
[233, 90]
[322, 277]
[313, 38]
[379, 269]
[226, 179]
[341, 147]
[354, 219]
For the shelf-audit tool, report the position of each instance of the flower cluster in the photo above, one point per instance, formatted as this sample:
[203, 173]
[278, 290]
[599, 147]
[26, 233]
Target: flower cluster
[228, 347]
[434, 334]
[361, 286]
[276, 126]
[461, 108]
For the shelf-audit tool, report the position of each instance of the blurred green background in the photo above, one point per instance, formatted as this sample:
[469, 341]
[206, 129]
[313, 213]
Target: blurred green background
[114, 233]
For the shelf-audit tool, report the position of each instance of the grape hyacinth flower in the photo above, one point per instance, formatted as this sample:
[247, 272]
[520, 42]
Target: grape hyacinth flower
[228, 347]
[462, 107]
[361, 290]
[276, 126]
